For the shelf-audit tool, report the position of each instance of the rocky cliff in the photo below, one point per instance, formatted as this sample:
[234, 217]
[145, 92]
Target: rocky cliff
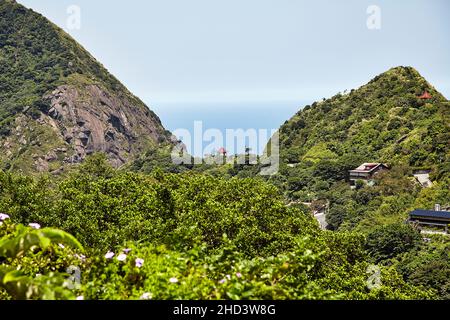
[58, 104]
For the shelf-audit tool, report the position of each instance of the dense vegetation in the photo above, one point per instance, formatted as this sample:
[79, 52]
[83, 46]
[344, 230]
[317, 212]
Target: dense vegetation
[35, 57]
[188, 236]
[53, 94]
[156, 230]
[383, 121]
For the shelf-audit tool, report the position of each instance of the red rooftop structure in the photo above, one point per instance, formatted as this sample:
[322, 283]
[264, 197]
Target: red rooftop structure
[366, 172]
[425, 96]
[222, 151]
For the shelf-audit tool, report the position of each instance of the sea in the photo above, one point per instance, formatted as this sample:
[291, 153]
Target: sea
[213, 122]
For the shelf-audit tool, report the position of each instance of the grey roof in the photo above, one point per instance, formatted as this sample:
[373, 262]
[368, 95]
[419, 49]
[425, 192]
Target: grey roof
[430, 214]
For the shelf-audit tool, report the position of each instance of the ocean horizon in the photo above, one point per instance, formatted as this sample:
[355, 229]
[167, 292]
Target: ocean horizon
[225, 116]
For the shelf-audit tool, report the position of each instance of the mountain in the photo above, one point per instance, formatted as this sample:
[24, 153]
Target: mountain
[397, 118]
[58, 104]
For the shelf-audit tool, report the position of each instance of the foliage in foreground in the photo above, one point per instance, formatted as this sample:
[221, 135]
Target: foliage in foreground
[188, 236]
[28, 245]
[332, 267]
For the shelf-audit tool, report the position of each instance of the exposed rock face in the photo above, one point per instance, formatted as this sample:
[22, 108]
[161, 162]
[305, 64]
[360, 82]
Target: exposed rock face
[79, 122]
[92, 120]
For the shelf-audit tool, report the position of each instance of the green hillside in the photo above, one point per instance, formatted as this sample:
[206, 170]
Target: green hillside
[386, 121]
[185, 236]
[383, 121]
[57, 102]
[137, 226]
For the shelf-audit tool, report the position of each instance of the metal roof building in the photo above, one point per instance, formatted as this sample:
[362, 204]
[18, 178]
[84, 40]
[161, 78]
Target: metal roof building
[431, 218]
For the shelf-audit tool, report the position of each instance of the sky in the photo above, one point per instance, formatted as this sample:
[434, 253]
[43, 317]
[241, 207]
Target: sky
[235, 56]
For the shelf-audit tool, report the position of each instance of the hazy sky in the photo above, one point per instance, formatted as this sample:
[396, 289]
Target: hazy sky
[179, 51]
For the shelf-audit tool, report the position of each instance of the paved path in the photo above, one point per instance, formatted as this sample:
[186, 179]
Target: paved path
[424, 180]
[434, 232]
[322, 220]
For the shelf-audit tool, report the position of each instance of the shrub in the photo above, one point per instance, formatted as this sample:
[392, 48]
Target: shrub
[389, 241]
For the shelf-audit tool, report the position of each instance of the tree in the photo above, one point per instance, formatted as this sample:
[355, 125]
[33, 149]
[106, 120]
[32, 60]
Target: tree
[336, 216]
[389, 241]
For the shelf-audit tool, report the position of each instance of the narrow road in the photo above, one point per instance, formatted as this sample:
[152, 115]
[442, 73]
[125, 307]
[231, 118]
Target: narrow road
[322, 220]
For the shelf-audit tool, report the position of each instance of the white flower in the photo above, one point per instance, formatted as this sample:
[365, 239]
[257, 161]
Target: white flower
[139, 262]
[146, 296]
[109, 255]
[80, 298]
[228, 277]
[80, 257]
[4, 216]
[122, 257]
[35, 225]
[239, 275]
[173, 280]
[61, 245]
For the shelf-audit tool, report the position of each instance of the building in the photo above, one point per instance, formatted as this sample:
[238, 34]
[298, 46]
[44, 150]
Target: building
[222, 151]
[431, 218]
[425, 96]
[366, 172]
[423, 177]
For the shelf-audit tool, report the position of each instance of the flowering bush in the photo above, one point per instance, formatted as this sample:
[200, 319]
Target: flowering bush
[165, 236]
[309, 271]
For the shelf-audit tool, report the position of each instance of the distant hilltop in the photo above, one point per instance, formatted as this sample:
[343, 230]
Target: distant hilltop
[398, 117]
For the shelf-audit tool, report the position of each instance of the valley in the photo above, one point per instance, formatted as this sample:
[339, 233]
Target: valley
[361, 189]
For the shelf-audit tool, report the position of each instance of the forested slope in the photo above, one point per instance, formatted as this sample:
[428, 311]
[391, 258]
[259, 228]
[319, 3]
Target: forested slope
[58, 104]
